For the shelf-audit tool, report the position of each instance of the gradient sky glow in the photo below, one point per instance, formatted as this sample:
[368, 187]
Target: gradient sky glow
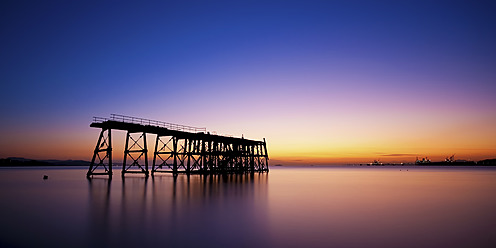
[322, 81]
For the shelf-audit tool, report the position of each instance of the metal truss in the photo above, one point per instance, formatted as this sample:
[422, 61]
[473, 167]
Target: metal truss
[176, 155]
[194, 154]
[164, 155]
[141, 154]
[103, 145]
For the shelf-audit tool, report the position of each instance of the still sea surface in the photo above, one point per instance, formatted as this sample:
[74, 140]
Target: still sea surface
[341, 206]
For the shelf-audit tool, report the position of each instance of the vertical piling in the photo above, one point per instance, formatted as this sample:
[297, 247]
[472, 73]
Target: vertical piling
[174, 168]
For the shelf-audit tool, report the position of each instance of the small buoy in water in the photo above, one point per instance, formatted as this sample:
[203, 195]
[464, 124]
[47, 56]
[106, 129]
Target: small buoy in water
[45, 177]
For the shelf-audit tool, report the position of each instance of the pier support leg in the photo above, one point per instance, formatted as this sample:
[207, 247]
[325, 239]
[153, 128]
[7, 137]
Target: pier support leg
[139, 148]
[155, 153]
[266, 156]
[259, 154]
[188, 152]
[163, 157]
[174, 145]
[252, 158]
[194, 156]
[203, 165]
[103, 145]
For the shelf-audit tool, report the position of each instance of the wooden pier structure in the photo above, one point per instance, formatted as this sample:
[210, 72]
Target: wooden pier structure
[178, 149]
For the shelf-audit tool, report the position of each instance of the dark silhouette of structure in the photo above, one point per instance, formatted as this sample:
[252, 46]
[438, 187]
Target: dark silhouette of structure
[178, 149]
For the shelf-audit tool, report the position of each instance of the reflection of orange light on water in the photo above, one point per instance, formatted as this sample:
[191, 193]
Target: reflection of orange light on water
[375, 202]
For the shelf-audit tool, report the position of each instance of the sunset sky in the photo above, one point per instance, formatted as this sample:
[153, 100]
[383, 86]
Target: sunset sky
[325, 82]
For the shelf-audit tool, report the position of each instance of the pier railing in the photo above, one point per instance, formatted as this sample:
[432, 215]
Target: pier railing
[147, 122]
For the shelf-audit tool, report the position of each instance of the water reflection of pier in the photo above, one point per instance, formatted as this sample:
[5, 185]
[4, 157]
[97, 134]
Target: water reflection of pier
[99, 200]
[178, 149]
[141, 211]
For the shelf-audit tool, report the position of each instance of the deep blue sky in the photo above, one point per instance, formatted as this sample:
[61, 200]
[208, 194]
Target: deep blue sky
[236, 65]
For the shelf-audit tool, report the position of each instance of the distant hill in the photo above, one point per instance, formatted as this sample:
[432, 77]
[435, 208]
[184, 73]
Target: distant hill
[68, 162]
[14, 161]
[487, 162]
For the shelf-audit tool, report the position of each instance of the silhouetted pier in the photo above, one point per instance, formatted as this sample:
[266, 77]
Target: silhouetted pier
[178, 149]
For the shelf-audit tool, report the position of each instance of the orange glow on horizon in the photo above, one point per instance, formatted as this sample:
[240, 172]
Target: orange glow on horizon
[298, 141]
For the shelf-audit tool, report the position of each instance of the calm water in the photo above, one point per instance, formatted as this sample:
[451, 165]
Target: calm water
[288, 207]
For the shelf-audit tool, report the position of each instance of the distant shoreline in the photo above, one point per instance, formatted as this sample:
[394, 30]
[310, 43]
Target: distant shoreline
[23, 162]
